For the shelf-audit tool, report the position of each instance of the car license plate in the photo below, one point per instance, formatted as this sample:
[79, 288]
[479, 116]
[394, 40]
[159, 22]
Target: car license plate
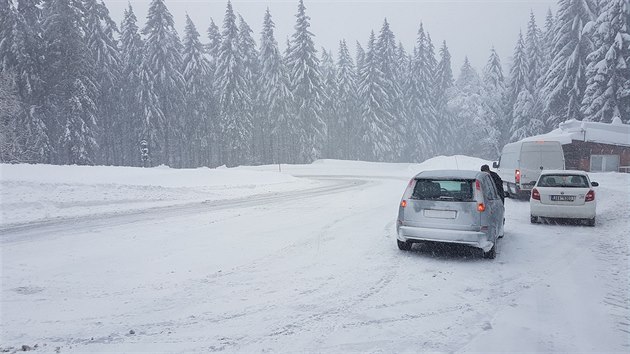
[440, 214]
[562, 198]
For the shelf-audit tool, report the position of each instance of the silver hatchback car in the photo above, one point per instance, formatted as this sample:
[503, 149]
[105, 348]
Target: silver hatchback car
[452, 206]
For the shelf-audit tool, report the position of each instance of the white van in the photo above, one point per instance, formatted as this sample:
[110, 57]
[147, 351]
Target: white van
[521, 162]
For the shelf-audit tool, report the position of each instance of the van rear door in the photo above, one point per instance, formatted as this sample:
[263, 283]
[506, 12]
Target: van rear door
[538, 156]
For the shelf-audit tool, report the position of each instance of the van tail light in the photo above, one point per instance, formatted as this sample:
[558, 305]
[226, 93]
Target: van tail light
[590, 196]
[517, 176]
[481, 207]
[536, 194]
[477, 185]
[403, 203]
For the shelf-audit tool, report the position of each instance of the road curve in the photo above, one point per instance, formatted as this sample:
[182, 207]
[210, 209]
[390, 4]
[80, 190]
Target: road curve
[19, 232]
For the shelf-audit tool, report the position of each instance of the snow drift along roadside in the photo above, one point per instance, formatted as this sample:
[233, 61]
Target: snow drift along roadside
[41, 192]
[38, 192]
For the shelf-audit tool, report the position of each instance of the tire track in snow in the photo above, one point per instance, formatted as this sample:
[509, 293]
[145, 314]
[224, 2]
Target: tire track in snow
[612, 248]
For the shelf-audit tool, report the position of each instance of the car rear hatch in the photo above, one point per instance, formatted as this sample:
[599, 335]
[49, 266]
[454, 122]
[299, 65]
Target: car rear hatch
[560, 190]
[443, 204]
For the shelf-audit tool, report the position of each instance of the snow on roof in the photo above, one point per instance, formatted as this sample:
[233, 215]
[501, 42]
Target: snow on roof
[615, 133]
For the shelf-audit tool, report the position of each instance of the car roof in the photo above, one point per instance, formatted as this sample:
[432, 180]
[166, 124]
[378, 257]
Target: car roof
[564, 172]
[463, 174]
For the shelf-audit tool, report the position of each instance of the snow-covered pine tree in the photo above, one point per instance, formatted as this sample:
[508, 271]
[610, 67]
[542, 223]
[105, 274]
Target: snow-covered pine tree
[251, 66]
[608, 73]
[565, 81]
[376, 119]
[27, 50]
[212, 48]
[214, 44]
[8, 19]
[397, 124]
[329, 106]
[403, 61]
[536, 69]
[197, 90]
[431, 59]
[28, 53]
[100, 32]
[153, 123]
[443, 83]
[546, 45]
[468, 79]
[70, 89]
[360, 52]
[133, 122]
[520, 97]
[162, 56]
[306, 84]
[534, 50]
[235, 122]
[519, 71]
[495, 112]
[467, 108]
[12, 135]
[493, 73]
[275, 95]
[347, 103]
[421, 130]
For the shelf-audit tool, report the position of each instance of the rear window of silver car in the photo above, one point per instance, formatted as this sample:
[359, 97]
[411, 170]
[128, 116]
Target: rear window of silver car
[566, 181]
[459, 190]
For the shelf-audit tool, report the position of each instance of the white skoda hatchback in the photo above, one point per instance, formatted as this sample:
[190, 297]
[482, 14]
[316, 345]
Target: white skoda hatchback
[563, 194]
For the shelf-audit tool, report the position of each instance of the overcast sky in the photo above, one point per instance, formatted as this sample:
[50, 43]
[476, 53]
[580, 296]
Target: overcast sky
[470, 27]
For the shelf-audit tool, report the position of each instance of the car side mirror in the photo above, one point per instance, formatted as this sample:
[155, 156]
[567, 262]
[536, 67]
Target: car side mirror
[594, 184]
[495, 165]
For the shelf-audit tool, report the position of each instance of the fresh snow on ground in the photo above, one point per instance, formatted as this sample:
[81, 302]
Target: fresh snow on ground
[293, 258]
[40, 192]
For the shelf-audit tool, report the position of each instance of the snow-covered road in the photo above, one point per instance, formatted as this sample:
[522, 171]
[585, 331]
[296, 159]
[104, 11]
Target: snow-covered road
[314, 269]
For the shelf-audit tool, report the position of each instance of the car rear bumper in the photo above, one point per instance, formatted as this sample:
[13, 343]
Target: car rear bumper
[477, 239]
[517, 190]
[585, 211]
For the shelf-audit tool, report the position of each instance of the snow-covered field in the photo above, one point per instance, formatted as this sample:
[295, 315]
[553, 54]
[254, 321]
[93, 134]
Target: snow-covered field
[110, 259]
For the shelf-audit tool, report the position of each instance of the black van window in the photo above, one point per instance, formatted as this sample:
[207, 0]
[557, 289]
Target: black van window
[459, 190]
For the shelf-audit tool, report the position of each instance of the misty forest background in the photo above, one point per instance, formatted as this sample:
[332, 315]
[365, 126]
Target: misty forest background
[75, 88]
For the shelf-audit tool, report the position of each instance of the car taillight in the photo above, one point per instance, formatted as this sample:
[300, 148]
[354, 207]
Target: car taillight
[481, 207]
[403, 203]
[590, 196]
[517, 176]
[477, 185]
[535, 194]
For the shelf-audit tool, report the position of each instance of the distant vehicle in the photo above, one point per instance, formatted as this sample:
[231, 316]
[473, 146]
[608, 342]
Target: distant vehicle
[451, 206]
[521, 162]
[563, 194]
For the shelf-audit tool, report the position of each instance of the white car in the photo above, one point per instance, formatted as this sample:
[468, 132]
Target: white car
[563, 194]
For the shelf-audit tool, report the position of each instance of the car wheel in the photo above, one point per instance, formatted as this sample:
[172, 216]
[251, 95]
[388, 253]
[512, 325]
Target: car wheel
[590, 222]
[533, 219]
[403, 246]
[492, 254]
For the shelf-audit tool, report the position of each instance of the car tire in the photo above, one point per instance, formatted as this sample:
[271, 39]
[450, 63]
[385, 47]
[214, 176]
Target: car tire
[492, 254]
[590, 222]
[533, 219]
[403, 246]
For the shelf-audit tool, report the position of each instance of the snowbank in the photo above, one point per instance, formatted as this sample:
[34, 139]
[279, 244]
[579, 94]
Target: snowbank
[38, 192]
